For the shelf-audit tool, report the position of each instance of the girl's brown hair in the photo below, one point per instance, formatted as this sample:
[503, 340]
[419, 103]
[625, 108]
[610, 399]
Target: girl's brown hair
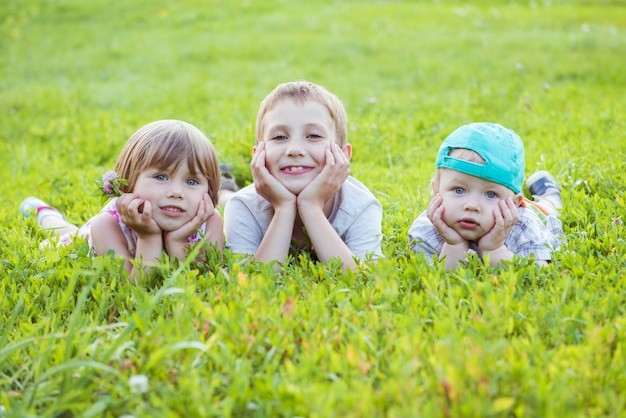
[165, 144]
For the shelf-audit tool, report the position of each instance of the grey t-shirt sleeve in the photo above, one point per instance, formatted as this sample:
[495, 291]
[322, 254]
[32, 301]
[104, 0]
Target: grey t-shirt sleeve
[423, 238]
[364, 235]
[242, 231]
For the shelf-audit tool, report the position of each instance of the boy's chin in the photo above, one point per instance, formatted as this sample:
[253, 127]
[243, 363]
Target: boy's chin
[296, 187]
[295, 190]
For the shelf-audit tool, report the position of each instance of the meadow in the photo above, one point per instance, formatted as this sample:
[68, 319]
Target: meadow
[400, 338]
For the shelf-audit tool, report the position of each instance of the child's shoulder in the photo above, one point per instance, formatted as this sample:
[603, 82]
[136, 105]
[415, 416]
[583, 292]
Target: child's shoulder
[354, 186]
[354, 193]
[249, 197]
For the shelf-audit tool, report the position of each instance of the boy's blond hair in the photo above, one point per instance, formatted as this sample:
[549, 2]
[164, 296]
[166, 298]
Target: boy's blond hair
[164, 144]
[300, 92]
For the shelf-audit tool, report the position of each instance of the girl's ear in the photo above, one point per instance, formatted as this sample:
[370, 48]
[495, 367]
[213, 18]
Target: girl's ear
[347, 150]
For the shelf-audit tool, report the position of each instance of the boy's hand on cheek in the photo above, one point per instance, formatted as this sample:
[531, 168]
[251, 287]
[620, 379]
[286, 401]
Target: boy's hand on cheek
[435, 213]
[335, 171]
[265, 183]
[505, 216]
[137, 214]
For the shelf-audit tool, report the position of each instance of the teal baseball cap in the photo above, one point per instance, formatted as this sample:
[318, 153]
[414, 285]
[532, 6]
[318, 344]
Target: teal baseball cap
[500, 147]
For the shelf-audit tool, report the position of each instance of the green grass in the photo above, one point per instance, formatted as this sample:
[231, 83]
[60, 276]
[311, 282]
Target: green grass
[400, 338]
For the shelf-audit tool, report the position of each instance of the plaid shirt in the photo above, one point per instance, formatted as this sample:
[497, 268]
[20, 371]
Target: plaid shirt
[528, 236]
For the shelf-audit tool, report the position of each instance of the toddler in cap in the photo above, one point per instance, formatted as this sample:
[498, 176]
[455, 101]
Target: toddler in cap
[478, 205]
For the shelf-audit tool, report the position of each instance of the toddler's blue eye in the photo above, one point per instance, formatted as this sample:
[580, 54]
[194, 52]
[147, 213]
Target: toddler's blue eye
[459, 190]
[491, 195]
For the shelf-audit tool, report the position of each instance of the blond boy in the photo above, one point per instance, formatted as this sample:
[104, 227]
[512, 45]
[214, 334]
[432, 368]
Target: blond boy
[303, 197]
[478, 205]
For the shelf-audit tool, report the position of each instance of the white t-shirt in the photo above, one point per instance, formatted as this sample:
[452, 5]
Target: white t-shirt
[356, 216]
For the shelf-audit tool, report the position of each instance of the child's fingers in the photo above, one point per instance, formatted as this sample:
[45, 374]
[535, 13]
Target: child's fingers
[258, 156]
[330, 158]
[208, 203]
[433, 205]
[340, 155]
[340, 158]
[508, 212]
[122, 202]
[145, 209]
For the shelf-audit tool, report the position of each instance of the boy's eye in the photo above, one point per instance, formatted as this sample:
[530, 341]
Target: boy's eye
[491, 195]
[315, 136]
[279, 137]
[459, 190]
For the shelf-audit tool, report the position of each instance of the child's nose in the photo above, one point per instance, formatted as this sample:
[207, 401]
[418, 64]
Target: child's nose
[295, 148]
[472, 204]
[175, 190]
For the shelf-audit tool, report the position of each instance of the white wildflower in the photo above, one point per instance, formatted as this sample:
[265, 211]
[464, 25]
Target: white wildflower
[138, 383]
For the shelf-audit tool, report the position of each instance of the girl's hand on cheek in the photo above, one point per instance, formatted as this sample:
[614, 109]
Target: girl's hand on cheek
[206, 209]
[435, 213]
[137, 214]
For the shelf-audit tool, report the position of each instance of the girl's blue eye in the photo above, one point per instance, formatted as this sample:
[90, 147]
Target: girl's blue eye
[161, 177]
[193, 182]
[491, 195]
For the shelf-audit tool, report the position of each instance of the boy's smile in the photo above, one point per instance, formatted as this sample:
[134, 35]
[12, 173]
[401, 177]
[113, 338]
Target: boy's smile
[296, 137]
[469, 202]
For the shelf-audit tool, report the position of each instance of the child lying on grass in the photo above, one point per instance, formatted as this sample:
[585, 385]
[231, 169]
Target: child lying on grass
[170, 187]
[303, 197]
[478, 205]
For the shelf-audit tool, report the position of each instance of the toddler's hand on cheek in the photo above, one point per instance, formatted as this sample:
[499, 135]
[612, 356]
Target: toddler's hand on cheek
[435, 213]
[506, 216]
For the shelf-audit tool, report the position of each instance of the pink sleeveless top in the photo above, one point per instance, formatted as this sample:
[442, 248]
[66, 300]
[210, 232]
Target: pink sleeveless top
[129, 234]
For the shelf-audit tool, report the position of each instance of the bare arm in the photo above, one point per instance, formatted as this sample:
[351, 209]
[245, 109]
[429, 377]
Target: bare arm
[276, 241]
[324, 239]
[106, 235]
[137, 214]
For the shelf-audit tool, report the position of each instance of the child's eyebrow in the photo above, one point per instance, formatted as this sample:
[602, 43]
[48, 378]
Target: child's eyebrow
[279, 127]
[314, 125]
